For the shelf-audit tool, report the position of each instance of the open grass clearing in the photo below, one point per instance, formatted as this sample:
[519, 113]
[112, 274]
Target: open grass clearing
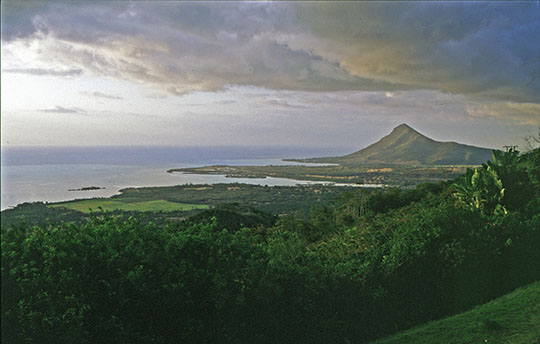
[510, 319]
[127, 205]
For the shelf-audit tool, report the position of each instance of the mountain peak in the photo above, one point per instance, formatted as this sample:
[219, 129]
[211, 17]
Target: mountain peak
[405, 145]
[403, 128]
[400, 135]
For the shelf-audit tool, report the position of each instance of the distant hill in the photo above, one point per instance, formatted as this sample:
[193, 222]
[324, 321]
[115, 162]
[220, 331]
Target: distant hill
[406, 146]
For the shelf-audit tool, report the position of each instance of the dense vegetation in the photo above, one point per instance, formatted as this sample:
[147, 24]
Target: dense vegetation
[366, 266]
[38, 213]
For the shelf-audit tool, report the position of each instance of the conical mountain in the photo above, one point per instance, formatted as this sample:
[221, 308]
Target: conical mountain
[406, 146]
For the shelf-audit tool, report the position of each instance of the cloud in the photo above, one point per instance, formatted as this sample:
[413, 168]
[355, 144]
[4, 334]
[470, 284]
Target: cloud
[283, 103]
[143, 116]
[157, 96]
[225, 102]
[192, 47]
[373, 100]
[45, 72]
[61, 109]
[481, 49]
[98, 94]
[524, 114]
[17, 18]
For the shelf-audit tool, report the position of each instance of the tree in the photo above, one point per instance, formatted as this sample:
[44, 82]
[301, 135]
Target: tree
[532, 141]
[481, 189]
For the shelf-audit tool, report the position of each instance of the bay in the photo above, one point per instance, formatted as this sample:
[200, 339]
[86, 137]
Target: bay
[46, 174]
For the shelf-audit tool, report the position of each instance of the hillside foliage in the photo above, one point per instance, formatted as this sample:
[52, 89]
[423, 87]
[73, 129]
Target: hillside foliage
[363, 267]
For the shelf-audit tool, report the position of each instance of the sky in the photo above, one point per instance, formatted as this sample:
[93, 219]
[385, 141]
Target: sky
[325, 74]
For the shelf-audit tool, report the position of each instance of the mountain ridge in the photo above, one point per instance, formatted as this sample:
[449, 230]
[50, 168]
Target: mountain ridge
[406, 146]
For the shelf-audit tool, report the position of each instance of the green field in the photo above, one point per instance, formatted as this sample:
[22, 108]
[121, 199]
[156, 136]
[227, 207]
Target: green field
[512, 319]
[87, 205]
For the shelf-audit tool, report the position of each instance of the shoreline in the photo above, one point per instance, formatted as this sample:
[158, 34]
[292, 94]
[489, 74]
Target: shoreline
[50, 183]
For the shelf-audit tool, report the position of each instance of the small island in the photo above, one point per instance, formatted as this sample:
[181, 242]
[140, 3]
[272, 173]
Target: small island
[88, 188]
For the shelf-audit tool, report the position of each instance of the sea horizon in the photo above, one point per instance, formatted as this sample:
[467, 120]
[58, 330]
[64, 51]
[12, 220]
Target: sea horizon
[144, 154]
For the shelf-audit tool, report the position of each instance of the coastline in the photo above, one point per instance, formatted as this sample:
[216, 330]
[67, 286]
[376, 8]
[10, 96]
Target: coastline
[50, 183]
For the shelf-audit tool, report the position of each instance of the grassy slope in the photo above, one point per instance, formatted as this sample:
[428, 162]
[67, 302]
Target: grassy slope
[127, 205]
[512, 319]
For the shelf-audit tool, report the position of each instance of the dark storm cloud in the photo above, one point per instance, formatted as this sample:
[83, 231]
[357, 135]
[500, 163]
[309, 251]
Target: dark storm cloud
[484, 49]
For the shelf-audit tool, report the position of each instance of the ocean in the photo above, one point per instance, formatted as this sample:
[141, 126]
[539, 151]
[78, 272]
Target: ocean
[47, 174]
